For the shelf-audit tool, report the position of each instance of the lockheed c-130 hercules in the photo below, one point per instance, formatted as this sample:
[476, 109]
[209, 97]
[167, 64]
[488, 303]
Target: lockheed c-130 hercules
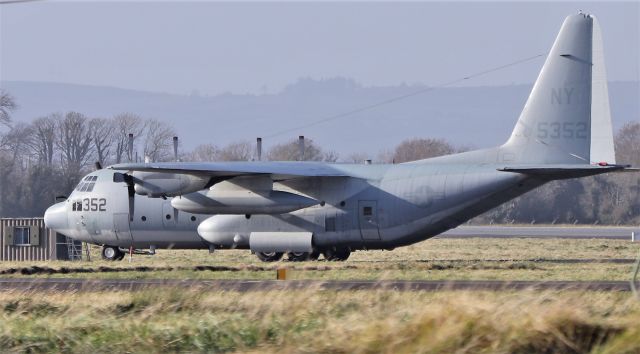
[305, 209]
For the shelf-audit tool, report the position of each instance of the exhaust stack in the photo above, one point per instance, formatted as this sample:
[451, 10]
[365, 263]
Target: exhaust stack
[301, 147]
[259, 149]
[175, 148]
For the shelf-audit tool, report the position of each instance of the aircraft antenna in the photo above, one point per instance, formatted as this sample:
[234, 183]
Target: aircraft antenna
[402, 97]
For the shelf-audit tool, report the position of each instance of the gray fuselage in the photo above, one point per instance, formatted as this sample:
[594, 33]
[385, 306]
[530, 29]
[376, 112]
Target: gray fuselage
[379, 207]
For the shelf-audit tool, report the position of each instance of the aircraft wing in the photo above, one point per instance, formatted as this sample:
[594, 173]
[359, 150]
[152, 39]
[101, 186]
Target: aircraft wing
[278, 170]
[566, 170]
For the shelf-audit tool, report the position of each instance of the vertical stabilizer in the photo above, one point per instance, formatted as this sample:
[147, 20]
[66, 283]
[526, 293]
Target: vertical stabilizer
[555, 124]
[602, 148]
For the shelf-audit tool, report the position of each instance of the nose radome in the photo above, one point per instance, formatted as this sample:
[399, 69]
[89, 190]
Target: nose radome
[55, 217]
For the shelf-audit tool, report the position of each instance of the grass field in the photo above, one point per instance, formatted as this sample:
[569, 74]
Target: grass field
[315, 321]
[322, 321]
[482, 259]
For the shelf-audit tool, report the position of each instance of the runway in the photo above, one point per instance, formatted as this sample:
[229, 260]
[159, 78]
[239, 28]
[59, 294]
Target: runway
[546, 231]
[52, 284]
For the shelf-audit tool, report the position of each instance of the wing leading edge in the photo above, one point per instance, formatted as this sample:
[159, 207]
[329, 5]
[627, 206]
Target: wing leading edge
[278, 170]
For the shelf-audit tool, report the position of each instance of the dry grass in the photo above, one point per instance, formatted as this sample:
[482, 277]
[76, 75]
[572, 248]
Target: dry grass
[321, 321]
[491, 259]
[314, 321]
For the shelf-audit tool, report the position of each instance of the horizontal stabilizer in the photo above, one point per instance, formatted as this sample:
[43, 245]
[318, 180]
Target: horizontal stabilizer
[567, 170]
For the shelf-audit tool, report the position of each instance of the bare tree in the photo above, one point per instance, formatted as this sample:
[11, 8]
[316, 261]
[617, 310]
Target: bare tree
[102, 134]
[627, 143]
[357, 157]
[240, 151]
[74, 141]
[291, 152]
[43, 138]
[417, 149]
[125, 124]
[205, 153]
[11, 150]
[158, 140]
[7, 105]
[385, 156]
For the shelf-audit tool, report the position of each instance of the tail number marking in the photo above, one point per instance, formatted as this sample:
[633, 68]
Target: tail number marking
[566, 130]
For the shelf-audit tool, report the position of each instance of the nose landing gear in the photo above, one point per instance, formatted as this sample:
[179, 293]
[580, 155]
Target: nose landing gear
[112, 253]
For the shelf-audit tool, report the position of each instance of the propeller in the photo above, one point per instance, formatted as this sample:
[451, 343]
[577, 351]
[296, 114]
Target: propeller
[131, 192]
[98, 165]
[126, 178]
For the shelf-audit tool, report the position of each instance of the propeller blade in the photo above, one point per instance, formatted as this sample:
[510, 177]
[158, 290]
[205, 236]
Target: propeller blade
[98, 165]
[132, 194]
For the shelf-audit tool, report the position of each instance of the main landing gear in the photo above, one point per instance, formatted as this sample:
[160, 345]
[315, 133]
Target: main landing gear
[112, 253]
[269, 256]
[333, 254]
[338, 254]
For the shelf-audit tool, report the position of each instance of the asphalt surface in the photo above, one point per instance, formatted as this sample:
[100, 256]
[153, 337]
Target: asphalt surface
[8, 284]
[575, 232]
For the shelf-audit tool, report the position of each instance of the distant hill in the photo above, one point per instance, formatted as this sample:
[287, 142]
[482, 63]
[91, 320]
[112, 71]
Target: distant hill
[470, 116]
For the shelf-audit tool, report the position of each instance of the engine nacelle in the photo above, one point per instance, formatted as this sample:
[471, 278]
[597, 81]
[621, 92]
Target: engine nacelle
[241, 202]
[155, 184]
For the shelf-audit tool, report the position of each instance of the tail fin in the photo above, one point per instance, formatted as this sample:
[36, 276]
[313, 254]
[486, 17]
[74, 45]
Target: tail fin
[566, 119]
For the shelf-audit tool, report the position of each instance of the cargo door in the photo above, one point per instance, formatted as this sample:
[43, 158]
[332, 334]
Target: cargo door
[368, 219]
[121, 227]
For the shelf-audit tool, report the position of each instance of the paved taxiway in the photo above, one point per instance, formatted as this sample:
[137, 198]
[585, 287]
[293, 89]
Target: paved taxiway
[546, 231]
[265, 285]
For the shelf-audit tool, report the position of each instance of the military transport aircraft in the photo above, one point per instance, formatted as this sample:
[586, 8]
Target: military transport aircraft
[306, 209]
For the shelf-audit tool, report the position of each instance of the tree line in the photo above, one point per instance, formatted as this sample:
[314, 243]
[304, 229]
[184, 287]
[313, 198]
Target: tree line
[47, 157]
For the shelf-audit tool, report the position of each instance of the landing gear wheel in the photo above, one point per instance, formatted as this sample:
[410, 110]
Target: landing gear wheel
[314, 255]
[269, 256]
[334, 254]
[112, 253]
[298, 256]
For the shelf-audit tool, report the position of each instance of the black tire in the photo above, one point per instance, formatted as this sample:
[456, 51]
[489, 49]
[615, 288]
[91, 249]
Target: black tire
[112, 253]
[269, 256]
[337, 254]
[313, 256]
[121, 256]
[298, 256]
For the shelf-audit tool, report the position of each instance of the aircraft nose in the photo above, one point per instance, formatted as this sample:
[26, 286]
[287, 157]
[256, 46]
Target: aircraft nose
[55, 217]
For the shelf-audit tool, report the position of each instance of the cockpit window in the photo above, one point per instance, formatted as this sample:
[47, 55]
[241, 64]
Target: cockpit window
[87, 184]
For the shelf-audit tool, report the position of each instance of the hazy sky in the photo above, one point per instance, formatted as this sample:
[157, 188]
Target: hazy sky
[215, 47]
